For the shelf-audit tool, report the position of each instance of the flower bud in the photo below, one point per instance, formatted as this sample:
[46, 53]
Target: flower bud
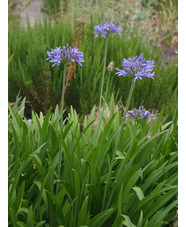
[110, 67]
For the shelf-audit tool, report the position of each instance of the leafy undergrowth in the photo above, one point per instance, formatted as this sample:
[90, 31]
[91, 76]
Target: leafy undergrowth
[106, 174]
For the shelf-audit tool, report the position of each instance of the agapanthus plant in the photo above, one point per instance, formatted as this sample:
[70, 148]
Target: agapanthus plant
[139, 114]
[67, 55]
[138, 67]
[105, 28]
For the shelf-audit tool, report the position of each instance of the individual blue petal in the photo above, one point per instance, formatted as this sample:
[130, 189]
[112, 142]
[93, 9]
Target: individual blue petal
[121, 72]
[127, 116]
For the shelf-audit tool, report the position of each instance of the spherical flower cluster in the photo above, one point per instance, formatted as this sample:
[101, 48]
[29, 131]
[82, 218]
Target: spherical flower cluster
[138, 67]
[105, 29]
[139, 114]
[66, 54]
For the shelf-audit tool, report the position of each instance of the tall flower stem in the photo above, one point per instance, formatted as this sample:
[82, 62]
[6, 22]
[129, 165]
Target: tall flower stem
[129, 97]
[116, 147]
[108, 82]
[62, 107]
[104, 68]
[103, 109]
[62, 97]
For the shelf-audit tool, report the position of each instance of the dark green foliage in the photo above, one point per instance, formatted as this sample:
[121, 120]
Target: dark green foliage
[30, 73]
[61, 180]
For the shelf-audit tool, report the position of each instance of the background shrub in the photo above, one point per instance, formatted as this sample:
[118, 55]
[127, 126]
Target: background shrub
[35, 78]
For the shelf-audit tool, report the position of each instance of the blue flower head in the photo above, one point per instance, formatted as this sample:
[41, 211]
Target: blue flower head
[105, 29]
[139, 114]
[138, 67]
[66, 54]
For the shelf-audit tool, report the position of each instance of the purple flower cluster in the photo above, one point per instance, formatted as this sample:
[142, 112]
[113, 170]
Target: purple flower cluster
[105, 29]
[139, 114]
[138, 67]
[66, 54]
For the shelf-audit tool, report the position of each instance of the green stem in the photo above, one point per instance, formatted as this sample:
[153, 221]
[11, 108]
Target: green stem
[108, 83]
[104, 68]
[129, 97]
[62, 107]
[62, 97]
[99, 124]
[117, 143]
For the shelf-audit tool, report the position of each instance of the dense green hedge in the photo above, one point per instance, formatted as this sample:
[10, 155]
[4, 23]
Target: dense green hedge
[35, 78]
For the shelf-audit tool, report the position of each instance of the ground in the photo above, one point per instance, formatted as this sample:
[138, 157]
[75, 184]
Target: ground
[33, 10]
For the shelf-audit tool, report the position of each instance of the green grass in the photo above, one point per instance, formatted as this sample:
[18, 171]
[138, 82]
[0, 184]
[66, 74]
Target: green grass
[81, 178]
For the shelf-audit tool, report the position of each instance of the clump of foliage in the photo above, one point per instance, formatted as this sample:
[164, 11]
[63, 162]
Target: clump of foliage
[85, 175]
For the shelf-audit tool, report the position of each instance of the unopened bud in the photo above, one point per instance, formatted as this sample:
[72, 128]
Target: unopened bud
[110, 67]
